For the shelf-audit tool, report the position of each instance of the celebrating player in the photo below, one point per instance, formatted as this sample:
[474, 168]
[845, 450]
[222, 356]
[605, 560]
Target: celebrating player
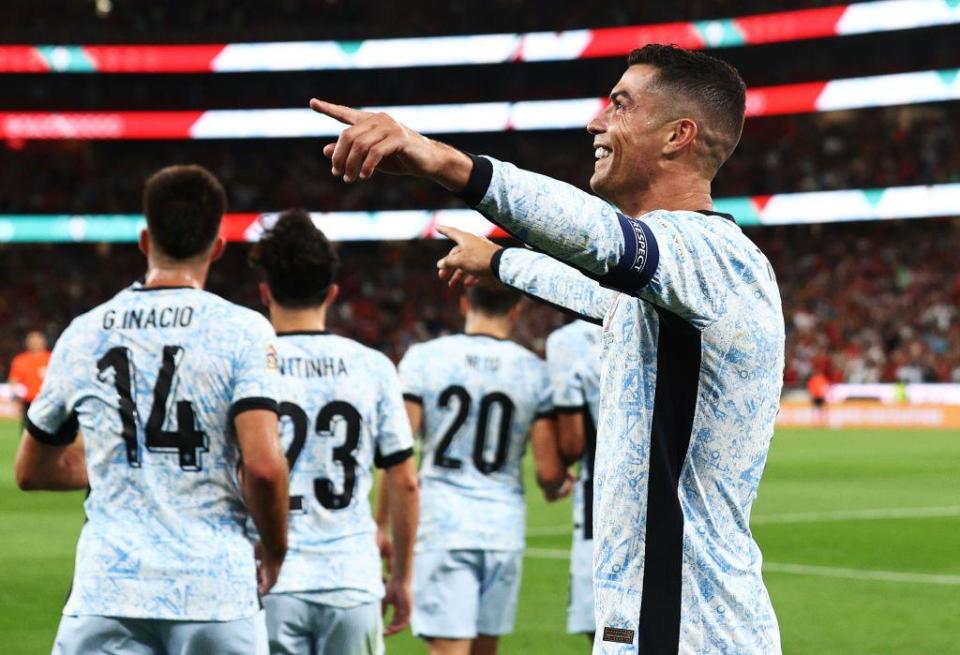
[477, 397]
[175, 390]
[573, 359]
[692, 345]
[343, 412]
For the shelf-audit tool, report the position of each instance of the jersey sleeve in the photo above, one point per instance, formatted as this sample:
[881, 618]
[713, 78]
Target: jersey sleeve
[394, 441]
[565, 380]
[257, 380]
[553, 282]
[553, 217]
[51, 418]
[675, 262]
[411, 374]
[687, 265]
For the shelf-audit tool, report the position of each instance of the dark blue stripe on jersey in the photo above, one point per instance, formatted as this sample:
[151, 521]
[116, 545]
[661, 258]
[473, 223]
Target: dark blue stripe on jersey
[495, 268]
[675, 400]
[641, 256]
[65, 434]
[413, 398]
[589, 457]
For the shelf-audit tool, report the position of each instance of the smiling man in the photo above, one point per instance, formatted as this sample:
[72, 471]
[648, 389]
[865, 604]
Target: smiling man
[692, 345]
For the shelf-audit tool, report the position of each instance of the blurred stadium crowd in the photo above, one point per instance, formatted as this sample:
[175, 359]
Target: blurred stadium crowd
[864, 302]
[861, 305]
[297, 19]
[886, 147]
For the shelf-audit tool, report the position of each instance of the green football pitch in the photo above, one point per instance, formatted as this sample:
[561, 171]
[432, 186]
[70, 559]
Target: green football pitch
[860, 532]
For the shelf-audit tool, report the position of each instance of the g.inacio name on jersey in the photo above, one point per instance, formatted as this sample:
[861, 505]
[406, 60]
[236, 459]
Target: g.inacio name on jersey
[321, 367]
[152, 317]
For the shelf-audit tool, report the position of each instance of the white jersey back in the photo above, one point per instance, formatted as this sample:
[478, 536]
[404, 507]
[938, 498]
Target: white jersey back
[573, 358]
[341, 413]
[480, 397]
[153, 379]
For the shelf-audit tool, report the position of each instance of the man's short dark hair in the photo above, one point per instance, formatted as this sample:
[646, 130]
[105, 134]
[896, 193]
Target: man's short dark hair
[184, 206]
[492, 298]
[298, 261]
[713, 86]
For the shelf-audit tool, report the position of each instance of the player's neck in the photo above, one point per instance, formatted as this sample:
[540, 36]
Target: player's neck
[166, 274]
[677, 193]
[499, 327]
[311, 319]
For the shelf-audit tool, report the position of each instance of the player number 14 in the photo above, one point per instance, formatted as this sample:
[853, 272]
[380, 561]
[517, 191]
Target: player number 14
[186, 440]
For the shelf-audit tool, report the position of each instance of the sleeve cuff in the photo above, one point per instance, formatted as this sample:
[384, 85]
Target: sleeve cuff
[569, 409]
[495, 263]
[551, 413]
[413, 398]
[479, 181]
[254, 402]
[65, 435]
[386, 461]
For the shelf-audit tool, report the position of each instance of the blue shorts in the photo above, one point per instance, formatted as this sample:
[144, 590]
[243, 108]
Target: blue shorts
[460, 594]
[298, 626]
[105, 635]
[580, 617]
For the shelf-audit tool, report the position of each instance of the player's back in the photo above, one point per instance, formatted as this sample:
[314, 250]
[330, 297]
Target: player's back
[341, 414]
[573, 358]
[154, 378]
[480, 396]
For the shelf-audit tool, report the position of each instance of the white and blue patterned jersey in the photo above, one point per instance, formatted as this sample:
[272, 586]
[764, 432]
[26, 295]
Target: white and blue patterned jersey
[341, 413]
[690, 388]
[573, 358]
[154, 378]
[480, 397]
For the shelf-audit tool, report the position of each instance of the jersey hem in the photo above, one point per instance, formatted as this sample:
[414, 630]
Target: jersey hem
[388, 461]
[253, 402]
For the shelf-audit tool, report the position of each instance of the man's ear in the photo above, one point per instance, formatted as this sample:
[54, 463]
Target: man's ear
[218, 247]
[683, 133]
[144, 242]
[332, 294]
[265, 296]
[514, 313]
[464, 305]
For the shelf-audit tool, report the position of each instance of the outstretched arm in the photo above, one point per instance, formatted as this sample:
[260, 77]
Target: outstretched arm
[536, 274]
[554, 217]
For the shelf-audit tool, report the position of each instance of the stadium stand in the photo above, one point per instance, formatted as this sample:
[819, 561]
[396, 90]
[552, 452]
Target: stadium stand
[845, 313]
[863, 305]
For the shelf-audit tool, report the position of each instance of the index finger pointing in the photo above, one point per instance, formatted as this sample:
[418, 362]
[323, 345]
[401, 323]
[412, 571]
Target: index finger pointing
[341, 113]
[452, 233]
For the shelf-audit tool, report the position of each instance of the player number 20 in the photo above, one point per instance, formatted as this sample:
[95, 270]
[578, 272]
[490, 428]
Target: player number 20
[487, 403]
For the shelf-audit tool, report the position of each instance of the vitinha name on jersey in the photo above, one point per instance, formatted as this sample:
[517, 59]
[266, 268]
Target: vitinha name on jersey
[323, 367]
[153, 317]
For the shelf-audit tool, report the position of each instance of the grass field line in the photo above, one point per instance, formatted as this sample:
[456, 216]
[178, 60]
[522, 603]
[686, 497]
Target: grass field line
[881, 513]
[807, 569]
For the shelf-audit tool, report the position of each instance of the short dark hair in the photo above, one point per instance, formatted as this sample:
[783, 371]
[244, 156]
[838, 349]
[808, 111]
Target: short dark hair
[714, 86]
[184, 206]
[298, 261]
[492, 298]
